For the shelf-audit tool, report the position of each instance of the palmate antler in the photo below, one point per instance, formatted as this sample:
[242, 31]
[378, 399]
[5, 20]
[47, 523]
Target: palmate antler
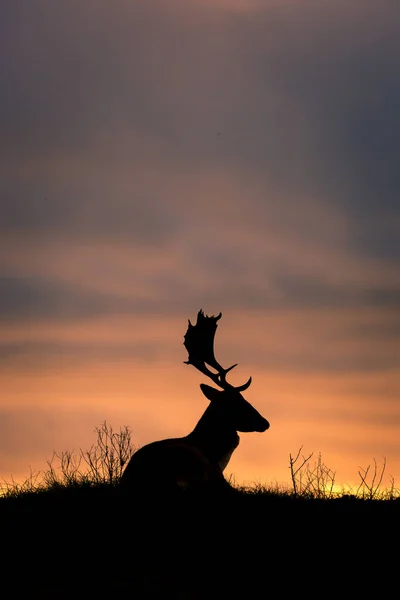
[199, 342]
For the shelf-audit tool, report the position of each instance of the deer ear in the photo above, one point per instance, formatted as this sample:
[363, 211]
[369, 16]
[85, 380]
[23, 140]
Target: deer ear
[210, 392]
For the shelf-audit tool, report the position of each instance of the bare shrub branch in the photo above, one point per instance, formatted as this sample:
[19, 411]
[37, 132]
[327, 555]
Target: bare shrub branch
[314, 481]
[107, 458]
[102, 463]
[297, 473]
[370, 490]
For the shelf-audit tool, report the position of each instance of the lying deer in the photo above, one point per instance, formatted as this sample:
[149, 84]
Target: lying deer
[199, 458]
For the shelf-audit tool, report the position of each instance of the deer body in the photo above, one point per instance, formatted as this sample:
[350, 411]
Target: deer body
[199, 458]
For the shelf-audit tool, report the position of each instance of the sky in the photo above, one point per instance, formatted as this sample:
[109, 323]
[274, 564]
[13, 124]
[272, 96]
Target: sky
[167, 156]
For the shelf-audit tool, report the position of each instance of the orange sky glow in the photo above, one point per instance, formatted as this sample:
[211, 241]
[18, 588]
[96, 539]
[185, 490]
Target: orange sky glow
[57, 401]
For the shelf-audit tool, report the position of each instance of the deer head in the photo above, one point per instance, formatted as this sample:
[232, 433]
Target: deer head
[237, 412]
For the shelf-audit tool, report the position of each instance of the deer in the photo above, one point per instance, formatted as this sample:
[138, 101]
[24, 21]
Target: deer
[199, 459]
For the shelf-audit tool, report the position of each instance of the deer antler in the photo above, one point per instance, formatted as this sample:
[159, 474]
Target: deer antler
[199, 342]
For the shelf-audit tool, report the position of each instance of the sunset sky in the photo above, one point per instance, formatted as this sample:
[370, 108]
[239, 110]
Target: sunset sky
[164, 156]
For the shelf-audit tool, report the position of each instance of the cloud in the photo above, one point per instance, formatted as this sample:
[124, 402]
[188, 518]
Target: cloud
[62, 354]
[41, 298]
[37, 298]
[105, 111]
[164, 157]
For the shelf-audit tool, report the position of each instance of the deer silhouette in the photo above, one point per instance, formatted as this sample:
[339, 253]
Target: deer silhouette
[199, 458]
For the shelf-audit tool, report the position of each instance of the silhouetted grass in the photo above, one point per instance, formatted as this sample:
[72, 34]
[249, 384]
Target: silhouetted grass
[82, 536]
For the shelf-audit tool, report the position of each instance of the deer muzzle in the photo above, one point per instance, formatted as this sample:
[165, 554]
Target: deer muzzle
[263, 426]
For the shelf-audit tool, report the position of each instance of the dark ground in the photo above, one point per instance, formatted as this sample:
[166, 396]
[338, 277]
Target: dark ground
[106, 544]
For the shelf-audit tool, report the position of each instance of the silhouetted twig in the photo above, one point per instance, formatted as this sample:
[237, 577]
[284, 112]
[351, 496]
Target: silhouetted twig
[370, 491]
[296, 474]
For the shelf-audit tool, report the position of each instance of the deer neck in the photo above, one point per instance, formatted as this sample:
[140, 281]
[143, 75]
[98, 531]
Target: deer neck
[215, 437]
